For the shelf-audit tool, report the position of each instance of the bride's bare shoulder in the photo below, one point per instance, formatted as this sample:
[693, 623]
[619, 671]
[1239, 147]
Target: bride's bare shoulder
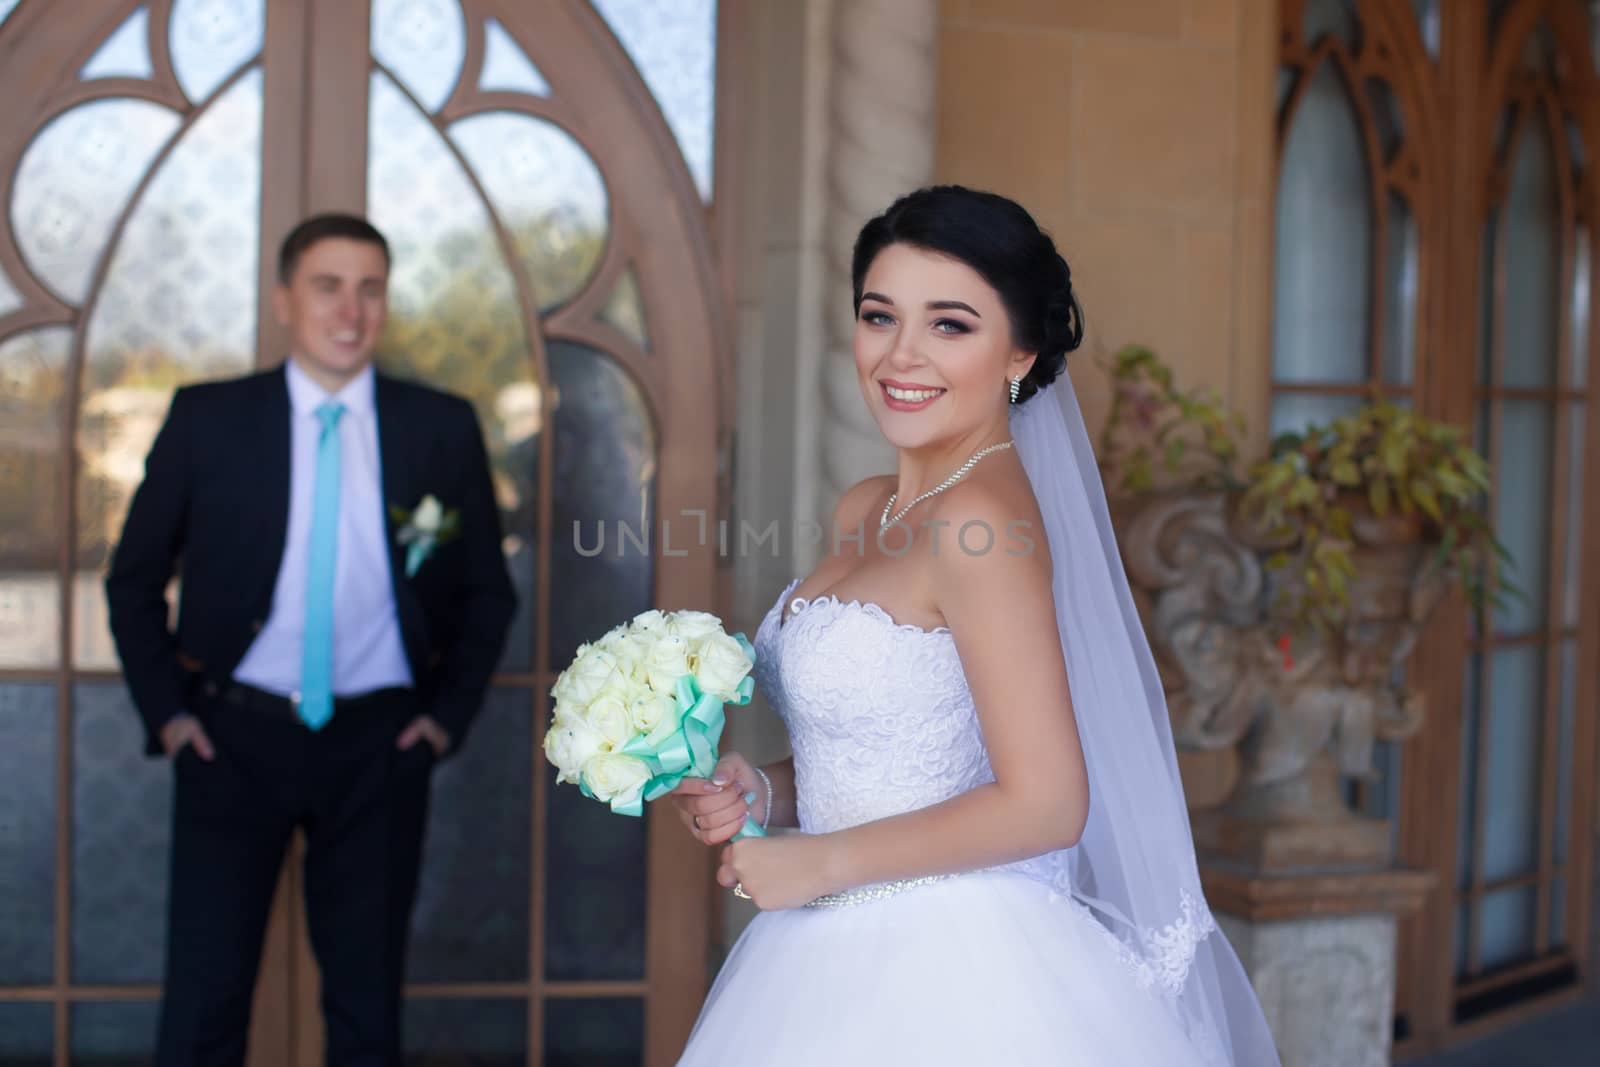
[859, 500]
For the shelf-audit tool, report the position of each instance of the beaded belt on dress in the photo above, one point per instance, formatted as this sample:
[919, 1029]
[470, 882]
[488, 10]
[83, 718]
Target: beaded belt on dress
[868, 893]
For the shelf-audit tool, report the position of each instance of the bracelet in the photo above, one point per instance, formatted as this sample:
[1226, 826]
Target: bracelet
[768, 783]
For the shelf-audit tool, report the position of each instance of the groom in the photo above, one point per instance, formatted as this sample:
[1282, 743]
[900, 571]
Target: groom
[343, 602]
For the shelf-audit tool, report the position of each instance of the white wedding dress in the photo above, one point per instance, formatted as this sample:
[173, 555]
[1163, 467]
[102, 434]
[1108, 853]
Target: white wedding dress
[1000, 966]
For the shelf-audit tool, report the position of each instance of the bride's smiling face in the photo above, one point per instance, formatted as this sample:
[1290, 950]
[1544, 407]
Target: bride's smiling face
[933, 348]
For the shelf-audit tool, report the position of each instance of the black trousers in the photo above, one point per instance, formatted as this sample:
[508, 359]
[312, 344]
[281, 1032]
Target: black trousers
[362, 804]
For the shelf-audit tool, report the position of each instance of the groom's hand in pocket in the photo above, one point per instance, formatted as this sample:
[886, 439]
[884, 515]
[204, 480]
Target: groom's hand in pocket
[714, 808]
[424, 728]
[184, 729]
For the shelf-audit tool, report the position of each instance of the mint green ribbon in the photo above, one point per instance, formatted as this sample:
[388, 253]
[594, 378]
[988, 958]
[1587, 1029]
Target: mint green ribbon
[690, 751]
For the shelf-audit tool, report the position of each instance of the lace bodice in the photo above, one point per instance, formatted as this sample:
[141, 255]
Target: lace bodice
[879, 716]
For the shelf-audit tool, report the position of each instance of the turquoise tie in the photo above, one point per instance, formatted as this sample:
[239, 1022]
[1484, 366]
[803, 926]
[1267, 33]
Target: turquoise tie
[316, 672]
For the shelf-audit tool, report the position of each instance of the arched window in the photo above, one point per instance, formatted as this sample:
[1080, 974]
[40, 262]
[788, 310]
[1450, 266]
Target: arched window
[1347, 258]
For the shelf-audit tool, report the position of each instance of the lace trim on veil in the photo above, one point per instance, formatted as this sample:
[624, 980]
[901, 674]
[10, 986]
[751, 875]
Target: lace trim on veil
[1166, 954]
[1162, 956]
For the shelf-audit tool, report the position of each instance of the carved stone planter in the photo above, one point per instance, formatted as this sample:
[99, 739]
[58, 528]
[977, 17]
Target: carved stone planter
[1305, 888]
[1300, 709]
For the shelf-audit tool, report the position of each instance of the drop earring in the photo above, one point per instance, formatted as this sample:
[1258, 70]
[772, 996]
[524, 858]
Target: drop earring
[1016, 387]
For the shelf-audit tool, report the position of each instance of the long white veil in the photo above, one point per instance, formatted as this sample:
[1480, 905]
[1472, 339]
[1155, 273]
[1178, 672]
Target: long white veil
[1135, 864]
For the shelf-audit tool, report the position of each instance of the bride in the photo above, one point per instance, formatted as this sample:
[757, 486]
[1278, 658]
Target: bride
[993, 862]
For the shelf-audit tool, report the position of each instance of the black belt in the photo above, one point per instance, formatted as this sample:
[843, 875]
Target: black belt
[249, 698]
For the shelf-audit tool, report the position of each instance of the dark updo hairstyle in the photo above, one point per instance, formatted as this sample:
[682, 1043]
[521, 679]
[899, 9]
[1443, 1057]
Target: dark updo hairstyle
[997, 238]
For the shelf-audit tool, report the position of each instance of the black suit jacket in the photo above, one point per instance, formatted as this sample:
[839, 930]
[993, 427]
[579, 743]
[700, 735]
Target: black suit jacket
[214, 508]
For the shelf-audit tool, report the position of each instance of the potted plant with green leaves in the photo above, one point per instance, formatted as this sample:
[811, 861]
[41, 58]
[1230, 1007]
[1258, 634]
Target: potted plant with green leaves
[1380, 475]
[1281, 601]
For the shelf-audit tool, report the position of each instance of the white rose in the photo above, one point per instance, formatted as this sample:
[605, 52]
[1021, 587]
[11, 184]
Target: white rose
[652, 711]
[649, 621]
[630, 650]
[569, 744]
[612, 777]
[667, 662]
[694, 626]
[589, 673]
[429, 515]
[567, 709]
[607, 714]
[721, 666]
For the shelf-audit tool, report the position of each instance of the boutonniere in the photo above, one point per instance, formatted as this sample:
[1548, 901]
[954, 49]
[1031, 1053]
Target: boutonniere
[424, 528]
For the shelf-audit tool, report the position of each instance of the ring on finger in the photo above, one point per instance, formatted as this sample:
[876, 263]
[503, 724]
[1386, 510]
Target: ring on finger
[696, 820]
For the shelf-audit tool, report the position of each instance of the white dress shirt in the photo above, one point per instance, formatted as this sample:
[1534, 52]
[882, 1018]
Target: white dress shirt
[367, 651]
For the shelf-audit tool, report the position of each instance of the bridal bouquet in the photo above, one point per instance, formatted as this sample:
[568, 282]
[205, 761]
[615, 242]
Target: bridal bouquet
[641, 709]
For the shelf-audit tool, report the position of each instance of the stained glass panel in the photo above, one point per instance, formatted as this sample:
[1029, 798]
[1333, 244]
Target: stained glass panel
[423, 43]
[1531, 307]
[1427, 12]
[594, 1032]
[1572, 566]
[1324, 242]
[32, 412]
[74, 181]
[471, 917]
[1506, 926]
[121, 832]
[126, 53]
[605, 471]
[466, 1033]
[454, 319]
[625, 310]
[1294, 412]
[604, 477]
[114, 1033]
[10, 299]
[546, 191]
[178, 305]
[675, 48]
[1524, 492]
[1566, 712]
[1400, 293]
[1337, 17]
[27, 836]
[210, 39]
[1466, 802]
[506, 67]
[27, 1031]
[1511, 795]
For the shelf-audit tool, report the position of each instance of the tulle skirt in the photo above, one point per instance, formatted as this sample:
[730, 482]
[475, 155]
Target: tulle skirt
[986, 968]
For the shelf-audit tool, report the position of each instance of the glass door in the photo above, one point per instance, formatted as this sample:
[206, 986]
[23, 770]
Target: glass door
[544, 175]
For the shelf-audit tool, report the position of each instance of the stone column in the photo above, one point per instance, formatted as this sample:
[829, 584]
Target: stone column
[881, 126]
[1320, 950]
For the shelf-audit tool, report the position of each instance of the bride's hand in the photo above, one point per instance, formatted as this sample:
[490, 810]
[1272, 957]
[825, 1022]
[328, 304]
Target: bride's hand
[714, 808]
[787, 871]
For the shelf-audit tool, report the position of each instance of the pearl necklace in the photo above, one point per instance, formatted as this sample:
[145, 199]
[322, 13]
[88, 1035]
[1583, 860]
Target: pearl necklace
[884, 522]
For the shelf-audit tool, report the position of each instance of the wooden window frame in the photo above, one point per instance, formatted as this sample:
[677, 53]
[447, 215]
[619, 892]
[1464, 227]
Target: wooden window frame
[1450, 108]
